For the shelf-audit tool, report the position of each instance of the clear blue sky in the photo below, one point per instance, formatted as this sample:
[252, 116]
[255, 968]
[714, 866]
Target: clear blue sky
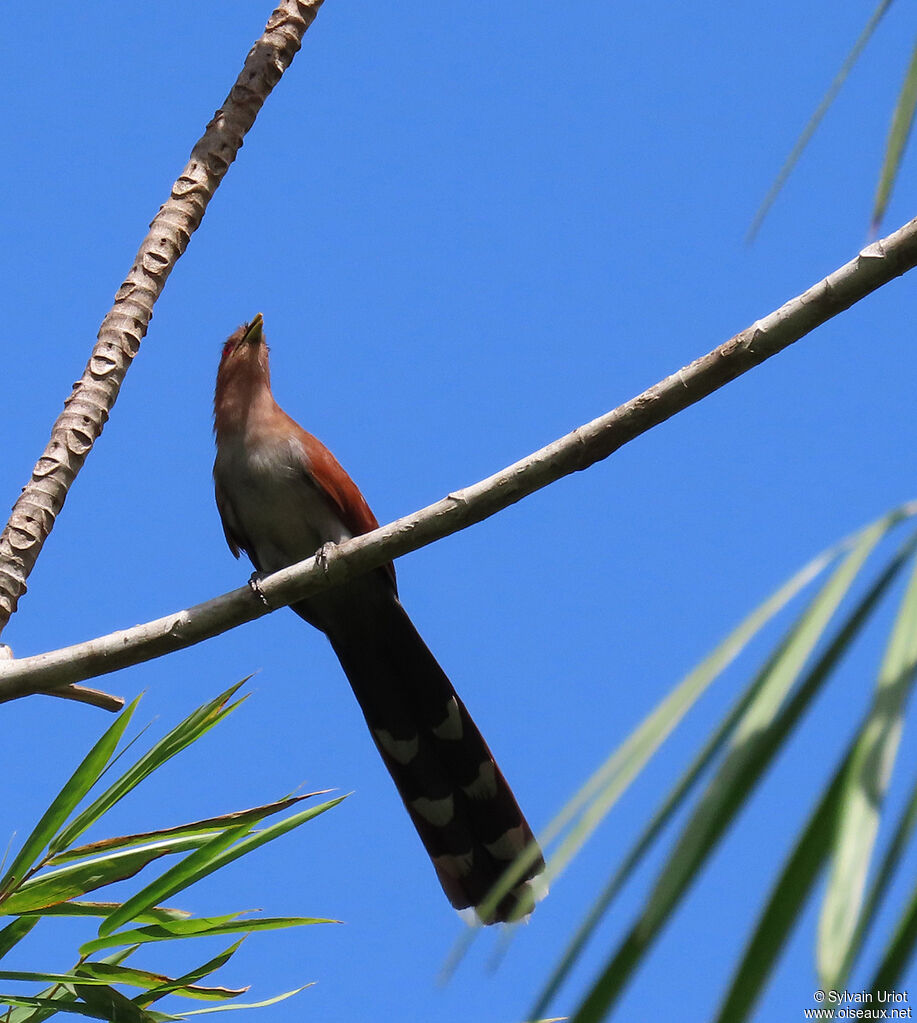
[470, 229]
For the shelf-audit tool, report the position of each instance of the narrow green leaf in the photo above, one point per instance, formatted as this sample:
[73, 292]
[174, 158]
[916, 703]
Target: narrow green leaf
[52, 995]
[112, 1004]
[185, 929]
[902, 122]
[6, 851]
[672, 802]
[250, 1005]
[863, 796]
[62, 1004]
[762, 729]
[205, 994]
[82, 780]
[45, 978]
[207, 826]
[126, 748]
[594, 800]
[154, 915]
[900, 948]
[107, 973]
[816, 118]
[792, 890]
[57, 997]
[192, 976]
[186, 732]
[884, 875]
[785, 903]
[701, 761]
[175, 929]
[122, 955]
[56, 886]
[163, 885]
[210, 857]
[14, 932]
[759, 735]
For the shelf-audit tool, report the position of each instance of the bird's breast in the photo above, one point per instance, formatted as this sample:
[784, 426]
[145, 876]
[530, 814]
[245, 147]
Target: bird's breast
[272, 502]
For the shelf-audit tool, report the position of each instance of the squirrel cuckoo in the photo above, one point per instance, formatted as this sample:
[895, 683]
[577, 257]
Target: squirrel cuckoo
[281, 495]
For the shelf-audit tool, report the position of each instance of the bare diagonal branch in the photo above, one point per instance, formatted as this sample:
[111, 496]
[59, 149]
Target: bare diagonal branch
[87, 408]
[876, 265]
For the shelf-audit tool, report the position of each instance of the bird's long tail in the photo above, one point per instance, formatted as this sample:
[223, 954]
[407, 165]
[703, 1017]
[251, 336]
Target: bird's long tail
[461, 805]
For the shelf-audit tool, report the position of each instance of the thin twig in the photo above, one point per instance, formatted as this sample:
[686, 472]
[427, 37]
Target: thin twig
[876, 265]
[79, 694]
[93, 697]
[87, 408]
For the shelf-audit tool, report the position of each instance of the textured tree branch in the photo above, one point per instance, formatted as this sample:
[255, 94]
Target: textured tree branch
[87, 408]
[876, 265]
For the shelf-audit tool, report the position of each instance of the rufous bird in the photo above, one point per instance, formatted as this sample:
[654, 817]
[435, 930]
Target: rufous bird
[282, 495]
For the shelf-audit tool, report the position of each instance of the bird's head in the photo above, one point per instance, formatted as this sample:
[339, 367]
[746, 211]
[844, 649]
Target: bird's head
[244, 370]
[246, 345]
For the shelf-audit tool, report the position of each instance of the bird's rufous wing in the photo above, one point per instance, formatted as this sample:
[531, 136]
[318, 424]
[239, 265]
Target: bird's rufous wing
[332, 480]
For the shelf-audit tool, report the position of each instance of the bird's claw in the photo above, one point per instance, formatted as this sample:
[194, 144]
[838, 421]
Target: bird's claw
[323, 555]
[254, 584]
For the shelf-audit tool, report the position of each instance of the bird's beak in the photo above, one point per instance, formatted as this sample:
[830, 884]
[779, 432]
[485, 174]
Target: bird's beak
[252, 335]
